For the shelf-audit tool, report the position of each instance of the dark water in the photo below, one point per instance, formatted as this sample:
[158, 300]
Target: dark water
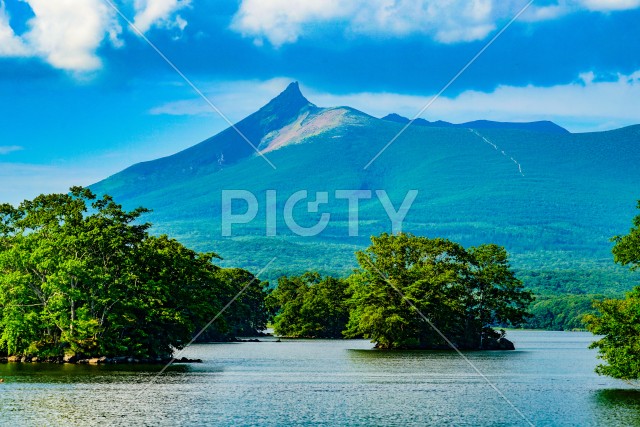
[549, 379]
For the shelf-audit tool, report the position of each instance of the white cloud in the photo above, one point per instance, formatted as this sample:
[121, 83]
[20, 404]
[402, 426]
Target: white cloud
[607, 5]
[10, 44]
[159, 13]
[587, 104]
[67, 33]
[236, 99]
[565, 7]
[283, 21]
[7, 149]
[447, 21]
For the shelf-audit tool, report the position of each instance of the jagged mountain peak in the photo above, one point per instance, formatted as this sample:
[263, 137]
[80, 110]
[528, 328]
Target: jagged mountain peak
[289, 101]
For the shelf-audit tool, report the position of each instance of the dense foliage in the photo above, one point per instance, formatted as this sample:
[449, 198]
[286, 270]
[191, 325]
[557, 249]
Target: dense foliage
[310, 306]
[561, 312]
[619, 320]
[79, 275]
[247, 316]
[463, 292]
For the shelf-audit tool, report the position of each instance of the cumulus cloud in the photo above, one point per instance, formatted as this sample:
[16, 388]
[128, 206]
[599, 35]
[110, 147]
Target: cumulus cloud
[10, 44]
[68, 33]
[159, 13]
[282, 21]
[447, 21]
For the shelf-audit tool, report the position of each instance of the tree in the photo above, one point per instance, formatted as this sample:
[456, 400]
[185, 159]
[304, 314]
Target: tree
[248, 315]
[79, 275]
[627, 248]
[619, 320]
[309, 306]
[494, 296]
[63, 272]
[462, 292]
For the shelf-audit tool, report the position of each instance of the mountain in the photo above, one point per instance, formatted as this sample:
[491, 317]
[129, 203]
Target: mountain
[544, 126]
[553, 199]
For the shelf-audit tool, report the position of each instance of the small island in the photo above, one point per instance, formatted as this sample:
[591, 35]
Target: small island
[410, 292]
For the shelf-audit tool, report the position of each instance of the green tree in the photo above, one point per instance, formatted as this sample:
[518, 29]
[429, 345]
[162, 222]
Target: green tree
[561, 312]
[79, 275]
[619, 320]
[493, 296]
[309, 306]
[627, 248]
[247, 316]
[63, 272]
[462, 292]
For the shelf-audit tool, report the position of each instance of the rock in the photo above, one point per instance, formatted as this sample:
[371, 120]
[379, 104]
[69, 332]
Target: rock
[35, 359]
[93, 361]
[13, 359]
[505, 344]
[83, 361]
[187, 360]
[72, 358]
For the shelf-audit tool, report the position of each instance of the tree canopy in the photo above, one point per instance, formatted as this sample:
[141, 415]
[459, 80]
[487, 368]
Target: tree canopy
[80, 275]
[309, 306]
[619, 319]
[463, 292]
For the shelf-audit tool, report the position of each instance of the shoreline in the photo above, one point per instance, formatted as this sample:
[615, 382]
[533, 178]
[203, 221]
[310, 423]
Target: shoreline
[103, 360]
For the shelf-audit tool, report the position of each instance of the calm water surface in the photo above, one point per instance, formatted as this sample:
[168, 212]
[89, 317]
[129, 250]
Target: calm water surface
[549, 378]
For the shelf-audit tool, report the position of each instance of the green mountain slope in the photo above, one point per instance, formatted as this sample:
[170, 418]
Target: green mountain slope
[553, 199]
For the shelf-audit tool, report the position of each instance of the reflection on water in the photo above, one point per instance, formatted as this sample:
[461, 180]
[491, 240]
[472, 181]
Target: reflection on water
[304, 382]
[78, 374]
[618, 406]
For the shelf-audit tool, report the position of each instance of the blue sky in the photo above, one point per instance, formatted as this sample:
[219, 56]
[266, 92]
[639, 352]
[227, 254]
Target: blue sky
[84, 96]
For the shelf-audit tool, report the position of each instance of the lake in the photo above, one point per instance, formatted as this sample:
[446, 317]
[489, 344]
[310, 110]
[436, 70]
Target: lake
[549, 378]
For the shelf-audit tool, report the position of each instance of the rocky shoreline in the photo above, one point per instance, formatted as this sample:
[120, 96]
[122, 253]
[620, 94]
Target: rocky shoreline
[97, 360]
[83, 360]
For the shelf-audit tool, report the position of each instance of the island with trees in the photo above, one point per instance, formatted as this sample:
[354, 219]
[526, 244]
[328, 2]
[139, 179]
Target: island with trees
[81, 278]
[408, 292]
